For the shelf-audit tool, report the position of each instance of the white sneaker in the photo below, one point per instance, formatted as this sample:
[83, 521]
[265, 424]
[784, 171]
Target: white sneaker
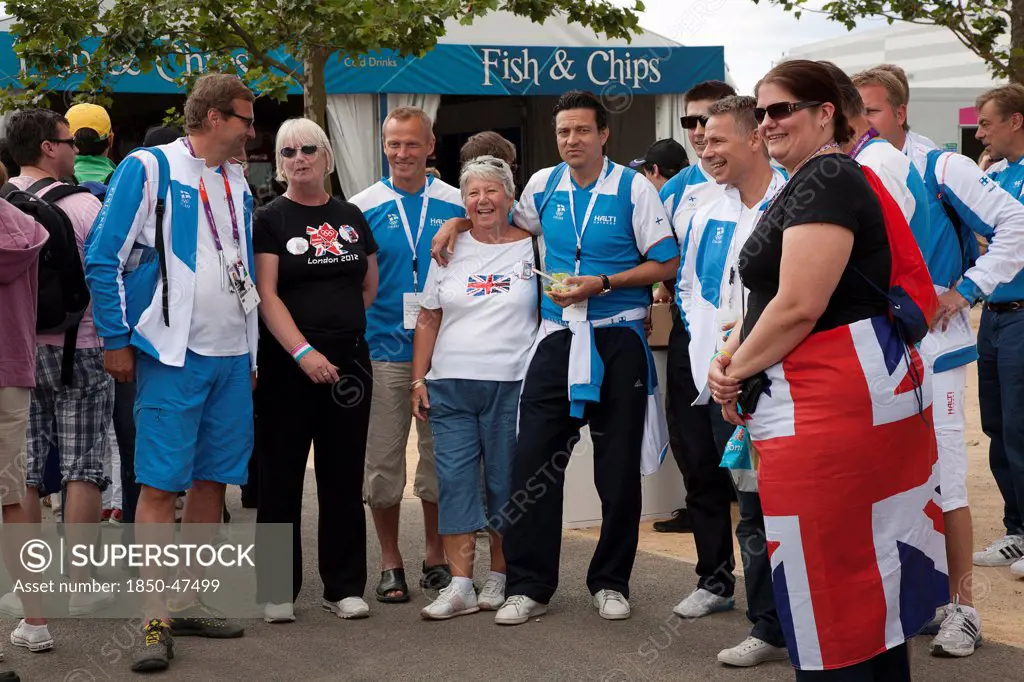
[932, 628]
[451, 602]
[85, 603]
[492, 596]
[1017, 568]
[349, 608]
[611, 605]
[959, 635]
[518, 609]
[10, 606]
[701, 603]
[752, 651]
[32, 637]
[1003, 552]
[279, 613]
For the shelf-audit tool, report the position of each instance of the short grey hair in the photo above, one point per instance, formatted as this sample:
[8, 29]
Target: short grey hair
[297, 132]
[488, 168]
[742, 109]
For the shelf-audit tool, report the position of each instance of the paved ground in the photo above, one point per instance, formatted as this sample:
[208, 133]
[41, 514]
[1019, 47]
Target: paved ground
[570, 643]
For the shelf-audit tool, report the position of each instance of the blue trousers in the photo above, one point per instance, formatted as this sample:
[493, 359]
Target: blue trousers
[1000, 396]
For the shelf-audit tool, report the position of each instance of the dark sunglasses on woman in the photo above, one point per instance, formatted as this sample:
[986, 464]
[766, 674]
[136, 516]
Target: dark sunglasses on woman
[781, 110]
[306, 149]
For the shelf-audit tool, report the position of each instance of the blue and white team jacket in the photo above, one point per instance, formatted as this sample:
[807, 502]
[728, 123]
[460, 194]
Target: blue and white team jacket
[686, 192]
[627, 226]
[981, 207]
[1010, 177]
[121, 264]
[619, 223]
[386, 336]
[904, 183]
[709, 276]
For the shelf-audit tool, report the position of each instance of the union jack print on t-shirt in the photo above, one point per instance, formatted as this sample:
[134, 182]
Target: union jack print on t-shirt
[482, 285]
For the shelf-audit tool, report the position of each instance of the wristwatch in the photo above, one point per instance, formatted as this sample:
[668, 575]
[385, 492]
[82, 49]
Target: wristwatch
[606, 284]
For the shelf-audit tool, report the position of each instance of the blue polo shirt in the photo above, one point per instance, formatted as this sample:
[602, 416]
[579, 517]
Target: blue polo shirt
[385, 334]
[628, 225]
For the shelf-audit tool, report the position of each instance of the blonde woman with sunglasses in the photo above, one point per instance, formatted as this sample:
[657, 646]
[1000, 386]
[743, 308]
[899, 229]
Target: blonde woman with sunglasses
[316, 270]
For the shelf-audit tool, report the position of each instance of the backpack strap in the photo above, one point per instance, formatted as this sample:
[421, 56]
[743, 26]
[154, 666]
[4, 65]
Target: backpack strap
[163, 184]
[40, 185]
[549, 188]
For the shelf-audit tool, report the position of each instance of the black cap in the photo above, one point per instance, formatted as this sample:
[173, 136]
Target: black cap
[668, 155]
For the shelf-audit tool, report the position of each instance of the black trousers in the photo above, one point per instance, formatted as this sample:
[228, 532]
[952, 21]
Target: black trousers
[124, 432]
[697, 435]
[291, 413]
[890, 666]
[547, 434]
[757, 571]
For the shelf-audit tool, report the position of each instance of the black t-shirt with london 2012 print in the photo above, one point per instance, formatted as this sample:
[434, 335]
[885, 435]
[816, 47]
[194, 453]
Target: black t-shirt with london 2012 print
[322, 253]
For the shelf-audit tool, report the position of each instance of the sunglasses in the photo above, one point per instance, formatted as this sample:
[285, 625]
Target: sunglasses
[781, 110]
[247, 120]
[690, 122]
[70, 141]
[306, 149]
[493, 163]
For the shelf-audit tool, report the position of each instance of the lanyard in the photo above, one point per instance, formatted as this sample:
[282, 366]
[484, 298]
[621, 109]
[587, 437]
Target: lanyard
[586, 216]
[413, 243]
[862, 142]
[204, 197]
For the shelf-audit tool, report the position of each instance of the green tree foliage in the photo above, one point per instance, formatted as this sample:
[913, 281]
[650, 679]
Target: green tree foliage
[979, 24]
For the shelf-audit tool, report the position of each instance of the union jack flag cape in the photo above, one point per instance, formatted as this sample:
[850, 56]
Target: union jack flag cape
[848, 477]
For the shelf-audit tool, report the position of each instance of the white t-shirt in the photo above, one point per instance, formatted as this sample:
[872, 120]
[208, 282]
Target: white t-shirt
[489, 320]
[218, 321]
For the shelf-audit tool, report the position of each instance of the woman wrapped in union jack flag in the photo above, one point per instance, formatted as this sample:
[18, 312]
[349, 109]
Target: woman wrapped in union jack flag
[837, 400]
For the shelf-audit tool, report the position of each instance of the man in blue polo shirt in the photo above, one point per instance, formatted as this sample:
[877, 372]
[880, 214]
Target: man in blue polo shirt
[604, 225]
[404, 211]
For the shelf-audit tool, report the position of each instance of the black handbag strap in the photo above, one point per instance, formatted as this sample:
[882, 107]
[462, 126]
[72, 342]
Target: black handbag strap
[536, 265]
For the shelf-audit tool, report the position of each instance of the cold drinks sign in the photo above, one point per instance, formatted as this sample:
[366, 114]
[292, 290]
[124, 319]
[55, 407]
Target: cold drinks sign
[451, 70]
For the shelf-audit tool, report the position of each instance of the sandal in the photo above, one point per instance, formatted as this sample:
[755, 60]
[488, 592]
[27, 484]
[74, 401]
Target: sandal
[435, 577]
[392, 580]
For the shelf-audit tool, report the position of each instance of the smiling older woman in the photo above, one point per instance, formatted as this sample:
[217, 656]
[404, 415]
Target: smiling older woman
[316, 271]
[476, 327]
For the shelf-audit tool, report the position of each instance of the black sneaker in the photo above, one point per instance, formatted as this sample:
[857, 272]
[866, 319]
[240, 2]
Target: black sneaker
[9, 676]
[435, 577]
[679, 523]
[199, 620]
[156, 649]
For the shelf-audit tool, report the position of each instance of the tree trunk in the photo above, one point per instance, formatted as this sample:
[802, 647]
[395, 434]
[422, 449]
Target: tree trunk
[314, 92]
[1017, 41]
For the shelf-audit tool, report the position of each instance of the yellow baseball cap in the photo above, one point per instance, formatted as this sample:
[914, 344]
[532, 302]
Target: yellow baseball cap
[89, 116]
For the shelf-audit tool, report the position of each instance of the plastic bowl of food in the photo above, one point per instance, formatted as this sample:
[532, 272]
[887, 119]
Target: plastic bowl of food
[558, 286]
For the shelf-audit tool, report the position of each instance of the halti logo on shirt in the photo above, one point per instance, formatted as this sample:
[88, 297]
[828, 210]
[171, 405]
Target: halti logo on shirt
[325, 239]
[436, 222]
[482, 285]
[604, 220]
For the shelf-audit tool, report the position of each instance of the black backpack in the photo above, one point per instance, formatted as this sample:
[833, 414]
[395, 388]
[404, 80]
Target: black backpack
[63, 294]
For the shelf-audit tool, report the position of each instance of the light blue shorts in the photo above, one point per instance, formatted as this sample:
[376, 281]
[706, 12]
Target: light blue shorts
[193, 423]
[474, 426]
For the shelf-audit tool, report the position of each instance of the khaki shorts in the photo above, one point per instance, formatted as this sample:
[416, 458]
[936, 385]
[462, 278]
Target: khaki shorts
[14, 410]
[390, 416]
